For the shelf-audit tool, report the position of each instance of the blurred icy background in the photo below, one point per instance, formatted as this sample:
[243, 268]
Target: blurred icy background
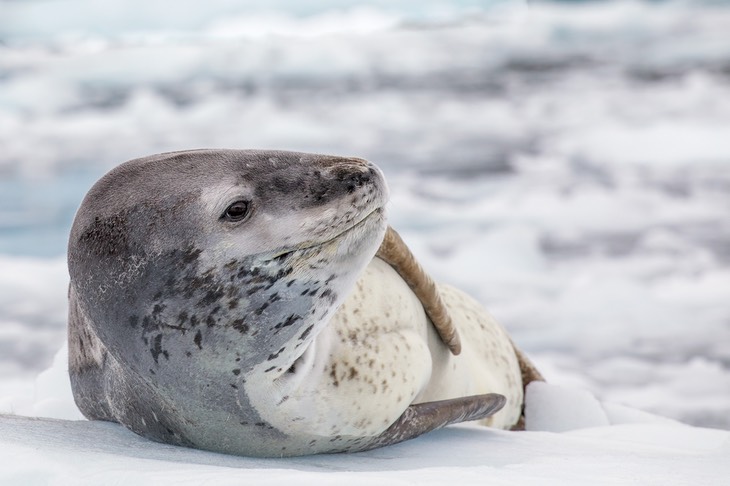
[566, 163]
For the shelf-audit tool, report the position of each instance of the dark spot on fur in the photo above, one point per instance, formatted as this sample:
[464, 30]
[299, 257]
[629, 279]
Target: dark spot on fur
[254, 289]
[237, 371]
[276, 355]
[261, 309]
[282, 258]
[210, 321]
[333, 375]
[306, 332]
[270, 369]
[198, 339]
[288, 322]
[156, 348]
[106, 237]
[240, 326]
[191, 254]
[148, 324]
[210, 297]
[133, 321]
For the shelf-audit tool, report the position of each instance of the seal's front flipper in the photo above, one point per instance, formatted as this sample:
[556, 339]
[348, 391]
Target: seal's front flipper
[395, 253]
[425, 417]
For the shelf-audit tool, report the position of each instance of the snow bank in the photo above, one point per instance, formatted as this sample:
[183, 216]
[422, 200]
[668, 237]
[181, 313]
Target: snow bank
[32, 314]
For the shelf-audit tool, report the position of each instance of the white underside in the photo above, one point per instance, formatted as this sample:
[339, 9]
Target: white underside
[380, 353]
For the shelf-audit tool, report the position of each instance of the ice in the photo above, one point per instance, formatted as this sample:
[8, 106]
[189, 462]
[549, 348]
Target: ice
[53, 396]
[49, 395]
[642, 448]
[558, 409]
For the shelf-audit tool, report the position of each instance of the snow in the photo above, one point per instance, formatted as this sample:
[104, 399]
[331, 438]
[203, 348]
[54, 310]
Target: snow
[571, 439]
[41, 451]
[567, 165]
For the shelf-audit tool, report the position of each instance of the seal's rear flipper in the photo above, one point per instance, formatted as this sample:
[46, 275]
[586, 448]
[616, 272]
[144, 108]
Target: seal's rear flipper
[425, 417]
[529, 374]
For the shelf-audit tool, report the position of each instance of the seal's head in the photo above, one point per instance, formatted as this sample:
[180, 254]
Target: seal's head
[201, 271]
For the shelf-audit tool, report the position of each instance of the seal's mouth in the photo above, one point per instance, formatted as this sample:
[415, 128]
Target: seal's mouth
[279, 257]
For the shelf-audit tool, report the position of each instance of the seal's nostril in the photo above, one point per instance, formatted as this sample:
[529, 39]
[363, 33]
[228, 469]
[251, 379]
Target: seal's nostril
[357, 179]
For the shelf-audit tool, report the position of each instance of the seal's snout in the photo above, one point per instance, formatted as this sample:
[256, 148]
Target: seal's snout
[352, 174]
[358, 178]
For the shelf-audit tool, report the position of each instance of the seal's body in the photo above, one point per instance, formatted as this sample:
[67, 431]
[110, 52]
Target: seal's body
[380, 352]
[231, 301]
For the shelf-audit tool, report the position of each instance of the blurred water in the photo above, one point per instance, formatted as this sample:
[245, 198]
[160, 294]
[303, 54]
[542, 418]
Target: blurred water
[36, 214]
[568, 164]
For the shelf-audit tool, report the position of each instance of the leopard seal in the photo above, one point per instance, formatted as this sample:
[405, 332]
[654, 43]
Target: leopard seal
[255, 303]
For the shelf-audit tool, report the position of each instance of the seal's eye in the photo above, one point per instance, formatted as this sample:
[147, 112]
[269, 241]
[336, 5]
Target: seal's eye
[236, 211]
